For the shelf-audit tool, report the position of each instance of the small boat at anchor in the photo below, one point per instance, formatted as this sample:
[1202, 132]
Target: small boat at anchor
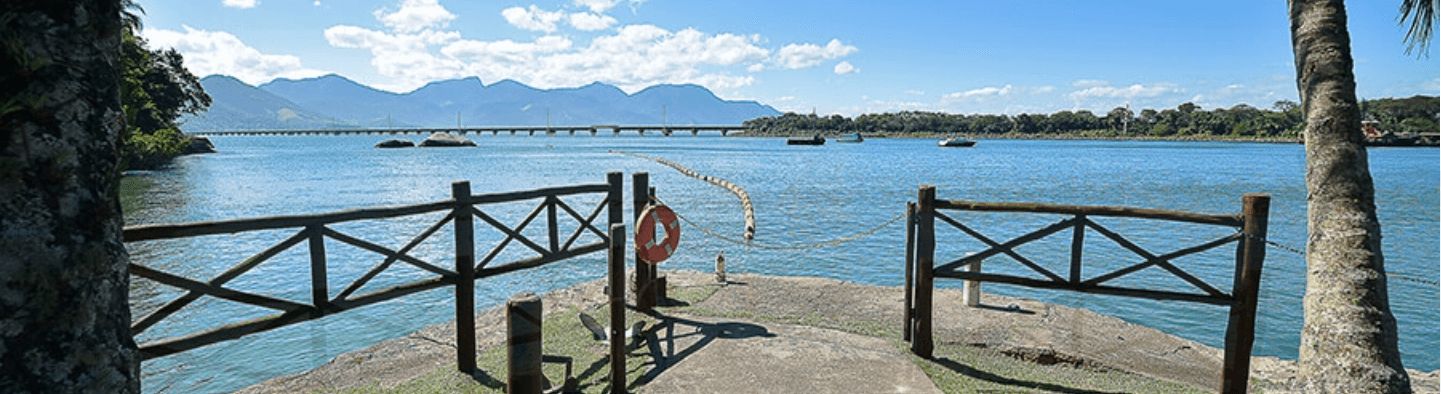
[956, 142]
[812, 140]
[853, 138]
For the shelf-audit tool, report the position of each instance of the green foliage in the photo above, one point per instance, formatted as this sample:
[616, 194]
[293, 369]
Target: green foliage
[150, 150]
[1407, 115]
[155, 90]
[1282, 121]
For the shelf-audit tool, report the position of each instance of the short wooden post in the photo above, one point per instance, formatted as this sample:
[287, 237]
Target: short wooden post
[465, 280]
[523, 345]
[972, 294]
[319, 286]
[922, 343]
[910, 310]
[1250, 256]
[640, 193]
[616, 257]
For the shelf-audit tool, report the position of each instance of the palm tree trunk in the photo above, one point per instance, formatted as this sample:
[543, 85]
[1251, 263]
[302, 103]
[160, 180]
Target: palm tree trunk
[64, 286]
[1348, 342]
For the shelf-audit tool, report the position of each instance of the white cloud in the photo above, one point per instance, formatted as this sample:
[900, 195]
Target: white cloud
[404, 58]
[416, 15]
[504, 51]
[532, 18]
[986, 91]
[916, 92]
[632, 57]
[597, 6]
[1129, 92]
[241, 4]
[795, 56]
[219, 52]
[1088, 83]
[590, 21]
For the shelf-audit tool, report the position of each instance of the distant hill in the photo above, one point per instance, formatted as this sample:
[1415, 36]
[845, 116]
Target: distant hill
[235, 105]
[333, 101]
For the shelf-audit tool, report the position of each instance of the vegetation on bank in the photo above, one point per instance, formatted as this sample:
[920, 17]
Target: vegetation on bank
[1283, 121]
[155, 91]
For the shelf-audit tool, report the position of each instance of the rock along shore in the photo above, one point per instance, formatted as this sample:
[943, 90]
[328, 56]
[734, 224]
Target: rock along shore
[1023, 329]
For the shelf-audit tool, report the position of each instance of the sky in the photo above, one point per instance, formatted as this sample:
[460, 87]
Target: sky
[828, 57]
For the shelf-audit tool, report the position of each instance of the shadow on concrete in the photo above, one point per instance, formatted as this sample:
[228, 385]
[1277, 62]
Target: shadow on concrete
[1021, 385]
[662, 349]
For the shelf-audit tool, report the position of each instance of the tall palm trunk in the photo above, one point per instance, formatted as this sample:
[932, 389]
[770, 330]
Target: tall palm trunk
[1348, 342]
[64, 314]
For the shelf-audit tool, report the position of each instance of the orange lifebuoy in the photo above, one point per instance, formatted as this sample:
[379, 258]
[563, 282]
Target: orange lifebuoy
[649, 248]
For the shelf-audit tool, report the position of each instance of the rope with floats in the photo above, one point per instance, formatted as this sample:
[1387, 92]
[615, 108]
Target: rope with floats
[824, 244]
[750, 212]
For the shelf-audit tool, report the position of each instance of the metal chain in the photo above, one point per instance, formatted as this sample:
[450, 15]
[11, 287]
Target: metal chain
[1414, 279]
[1275, 244]
[753, 244]
[1303, 253]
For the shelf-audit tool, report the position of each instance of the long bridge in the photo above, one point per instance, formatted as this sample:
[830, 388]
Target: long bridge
[493, 130]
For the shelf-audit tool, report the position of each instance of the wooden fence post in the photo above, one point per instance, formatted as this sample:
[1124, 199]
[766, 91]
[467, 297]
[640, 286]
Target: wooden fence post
[465, 282]
[616, 258]
[922, 343]
[640, 194]
[910, 310]
[1250, 256]
[523, 344]
[319, 286]
[615, 198]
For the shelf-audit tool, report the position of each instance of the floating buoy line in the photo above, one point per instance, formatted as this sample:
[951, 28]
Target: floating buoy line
[750, 212]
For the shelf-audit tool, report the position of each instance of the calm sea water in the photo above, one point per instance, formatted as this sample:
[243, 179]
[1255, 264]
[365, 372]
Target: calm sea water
[802, 195]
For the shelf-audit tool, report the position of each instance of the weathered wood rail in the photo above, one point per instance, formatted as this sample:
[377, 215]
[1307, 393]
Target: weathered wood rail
[921, 269]
[494, 130]
[314, 229]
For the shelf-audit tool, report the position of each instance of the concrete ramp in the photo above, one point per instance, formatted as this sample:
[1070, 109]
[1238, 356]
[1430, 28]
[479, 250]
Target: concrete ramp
[717, 355]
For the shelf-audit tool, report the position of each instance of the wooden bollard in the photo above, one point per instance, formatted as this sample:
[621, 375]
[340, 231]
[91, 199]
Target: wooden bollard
[972, 295]
[523, 344]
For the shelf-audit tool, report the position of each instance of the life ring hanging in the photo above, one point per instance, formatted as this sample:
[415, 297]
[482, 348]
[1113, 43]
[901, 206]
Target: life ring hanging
[648, 248]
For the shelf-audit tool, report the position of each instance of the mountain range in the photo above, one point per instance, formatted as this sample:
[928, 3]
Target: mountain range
[334, 102]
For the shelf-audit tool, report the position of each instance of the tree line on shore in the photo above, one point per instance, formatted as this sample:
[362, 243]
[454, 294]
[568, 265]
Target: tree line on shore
[155, 91]
[1283, 120]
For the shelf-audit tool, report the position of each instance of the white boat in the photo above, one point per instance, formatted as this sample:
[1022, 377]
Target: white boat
[956, 142]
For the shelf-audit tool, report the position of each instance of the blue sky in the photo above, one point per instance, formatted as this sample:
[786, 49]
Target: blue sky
[839, 56]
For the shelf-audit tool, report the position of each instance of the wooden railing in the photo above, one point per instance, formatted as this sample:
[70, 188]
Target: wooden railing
[921, 269]
[314, 229]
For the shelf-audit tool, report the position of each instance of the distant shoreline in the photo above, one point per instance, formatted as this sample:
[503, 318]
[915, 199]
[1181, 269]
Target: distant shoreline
[1008, 136]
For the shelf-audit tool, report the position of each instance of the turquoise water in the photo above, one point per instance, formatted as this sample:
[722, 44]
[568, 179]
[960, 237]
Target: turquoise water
[802, 195]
